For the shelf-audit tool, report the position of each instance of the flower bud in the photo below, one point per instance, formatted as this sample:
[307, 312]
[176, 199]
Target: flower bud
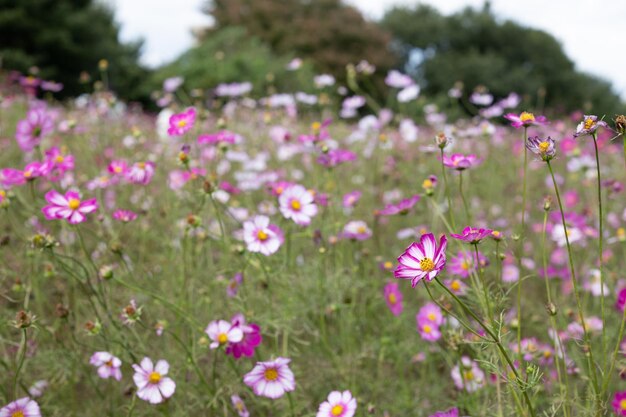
[23, 319]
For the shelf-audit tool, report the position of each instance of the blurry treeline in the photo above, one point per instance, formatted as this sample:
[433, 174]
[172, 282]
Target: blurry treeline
[254, 40]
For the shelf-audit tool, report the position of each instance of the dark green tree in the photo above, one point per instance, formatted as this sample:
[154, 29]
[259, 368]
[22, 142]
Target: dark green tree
[66, 37]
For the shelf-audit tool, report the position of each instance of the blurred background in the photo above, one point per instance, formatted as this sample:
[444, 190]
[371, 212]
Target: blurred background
[565, 55]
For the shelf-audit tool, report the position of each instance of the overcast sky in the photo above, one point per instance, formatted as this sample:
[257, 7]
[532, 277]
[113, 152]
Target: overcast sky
[593, 32]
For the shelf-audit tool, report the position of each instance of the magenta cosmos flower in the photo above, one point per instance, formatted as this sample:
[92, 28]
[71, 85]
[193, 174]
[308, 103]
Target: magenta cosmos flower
[240, 406]
[107, 364]
[544, 148]
[401, 207]
[223, 136]
[24, 407]
[250, 340]
[153, 386]
[423, 260]
[427, 330]
[30, 131]
[619, 403]
[68, 207]
[350, 199]
[118, 168]
[472, 235]
[57, 163]
[461, 162]
[525, 119]
[124, 216]
[589, 125]
[453, 412]
[356, 230]
[222, 332]
[393, 297]
[338, 404]
[261, 236]
[181, 123]
[140, 173]
[297, 203]
[271, 379]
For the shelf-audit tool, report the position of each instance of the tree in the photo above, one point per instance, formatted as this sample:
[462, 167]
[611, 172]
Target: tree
[473, 47]
[65, 37]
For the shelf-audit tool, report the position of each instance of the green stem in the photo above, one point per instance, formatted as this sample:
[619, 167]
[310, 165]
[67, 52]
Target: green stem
[20, 362]
[590, 361]
[467, 211]
[291, 407]
[521, 249]
[447, 189]
[481, 274]
[498, 343]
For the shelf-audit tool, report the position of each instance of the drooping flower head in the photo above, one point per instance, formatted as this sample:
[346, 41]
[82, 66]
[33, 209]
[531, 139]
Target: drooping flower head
[472, 235]
[297, 203]
[338, 404]
[24, 407]
[222, 332]
[69, 207]
[271, 379]
[544, 147]
[393, 297]
[261, 236]
[423, 260]
[30, 131]
[525, 119]
[589, 125]
[107, 364]
[461, 162]
[152, 384]
[619, 403]
[181, 123]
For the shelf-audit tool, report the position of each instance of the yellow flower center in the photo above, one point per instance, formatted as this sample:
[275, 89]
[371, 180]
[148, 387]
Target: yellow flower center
[465, 265]
[182, 123]
[427, 328]
[295, 204]
[622, 404]
[589, 123]
[427, 265]
[361, 229]
[154, 377]
[388, 265]
[455, 285]
[59, 159]
[3, 193]
[28, 174]
[527, 117]
[427, 184]
[109, 363]
[117, 170]
[222, 338]
[543, 147]
[469, 375]
[431, 316]
[261, 235]
[392, 298]
[18, 413]
[316, 126]
[141, 165]
[239, 406]
[547, 353]
[337, 410]
[73, 203]
[271, 374]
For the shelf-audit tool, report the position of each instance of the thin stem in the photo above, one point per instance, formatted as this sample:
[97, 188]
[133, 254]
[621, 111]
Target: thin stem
[521, 249]
[481, 274]
[467, 211]
[590, 362]
[600, 252]
[291, 407]
[498, 343]
[20, 362]
[447, 189]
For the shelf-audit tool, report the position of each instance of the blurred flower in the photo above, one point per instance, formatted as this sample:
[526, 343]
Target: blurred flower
[261, 236]
[356, 230]
[124, 216]
[467, 375]
[472, 235]
[107, 364]
[525, 119]
[24, 407]
[619, 403]
[30, 131]
[140, 173]
[338, 404]
[297, 203]
[250, 340]
[393, 297]
[222, 332]
[271, 379]
[461, 162]
[401, 207]
[181, 123]
[68, 207]
[240, 406]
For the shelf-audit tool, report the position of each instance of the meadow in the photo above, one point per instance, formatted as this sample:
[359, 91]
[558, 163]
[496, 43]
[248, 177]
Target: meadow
[308, 255]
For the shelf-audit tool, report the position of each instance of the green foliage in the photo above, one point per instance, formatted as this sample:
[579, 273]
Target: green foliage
[229, 55]
[65, 37]
[473, 47]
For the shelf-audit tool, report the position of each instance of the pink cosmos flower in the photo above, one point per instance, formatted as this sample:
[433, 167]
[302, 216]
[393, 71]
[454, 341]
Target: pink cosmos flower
[223, 136]
[351, 198]
[107, 364]
[251, 338]
[356, 230]
[271, 379]
[125, 216]
[261, 236]
[544, 148]
[429, 331]
[182, 123]
[222, 332]
[118, 168]
[401, 207]
[233, 284]
[620, 304]
[472, 235]
[525, 119]
[338, 404]
[431, 312]
[24, 407]
[619, 403]
[467, 375]
[461, 162]
[423, 260]
[464, 264]
[56, 163]
[297, 203]
[277, 188]
[152, 384]
[453, 412]
[68, 207]
[589, 125]
[393, 297]
[456, 286]
[30, 131]
[140, 173]
[335, 157]
[240, 406]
